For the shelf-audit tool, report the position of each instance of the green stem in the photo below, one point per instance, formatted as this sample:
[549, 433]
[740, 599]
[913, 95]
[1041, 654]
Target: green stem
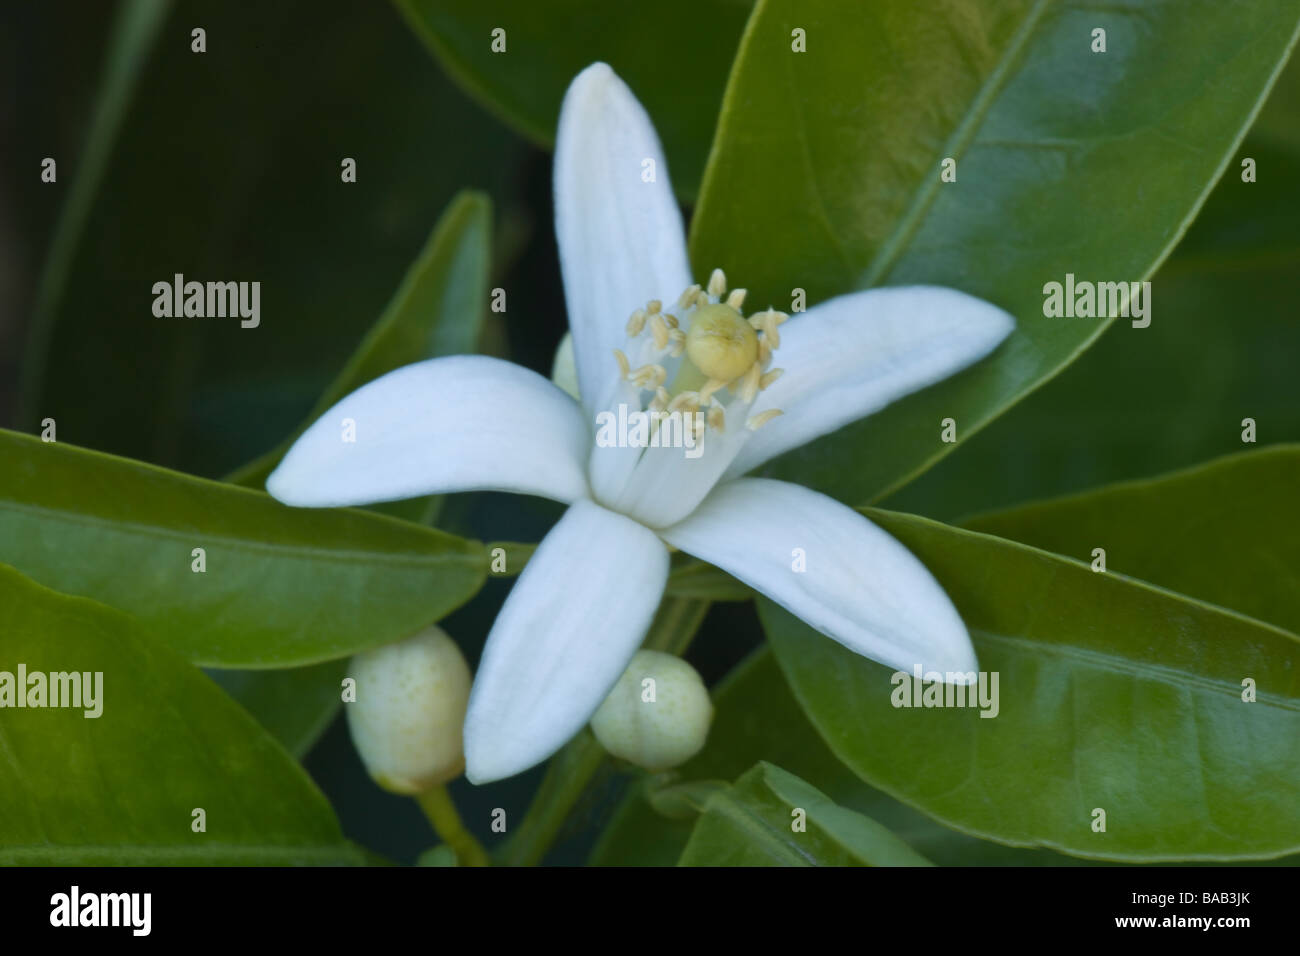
[438, 806]
[573, 767]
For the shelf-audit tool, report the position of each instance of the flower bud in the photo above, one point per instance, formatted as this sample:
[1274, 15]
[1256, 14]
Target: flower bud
[658, 714]
[407, 719]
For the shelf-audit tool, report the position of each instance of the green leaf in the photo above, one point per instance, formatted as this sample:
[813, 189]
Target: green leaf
[1175, 395]
[757, 718]
[753, 823]
[675, 57]
[437, 310]
[842, 147]
[282, 586]
[1112, 694]
[121, 788]
[295, 705]
[1224, 532]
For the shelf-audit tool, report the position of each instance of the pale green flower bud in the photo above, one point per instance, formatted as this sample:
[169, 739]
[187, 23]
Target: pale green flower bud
[658, 714]
[407, 719]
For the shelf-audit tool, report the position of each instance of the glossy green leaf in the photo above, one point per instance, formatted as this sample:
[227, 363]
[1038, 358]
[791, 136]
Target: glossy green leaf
[675, 56]
[437, 310]
[1227, 532]
[295, 705]
[1112, 694]
[122, 787]
[282, 586]
[757, 718]
[770, 817]
[1174, 395]
[826, 174]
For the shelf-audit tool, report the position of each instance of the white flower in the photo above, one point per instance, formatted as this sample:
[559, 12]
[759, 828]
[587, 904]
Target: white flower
[580, 609]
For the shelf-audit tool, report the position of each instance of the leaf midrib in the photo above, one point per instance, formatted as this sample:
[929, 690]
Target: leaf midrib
[958, 142]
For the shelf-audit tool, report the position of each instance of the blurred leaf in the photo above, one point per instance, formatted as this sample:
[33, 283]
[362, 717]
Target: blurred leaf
[752, 824]
[135, 29]
[1112, 694]
[844, 143]
[440, 855]
[294, 705]
[120, 788]
[757, 718]
[282, 586]
[265, 190]
[437, 310]
[675, 57]
[1227, 532]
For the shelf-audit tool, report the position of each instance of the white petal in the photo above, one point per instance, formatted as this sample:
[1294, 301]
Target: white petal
[462, 423]
[859, 587]
[574, 619]
[620, 238]
[853, 355]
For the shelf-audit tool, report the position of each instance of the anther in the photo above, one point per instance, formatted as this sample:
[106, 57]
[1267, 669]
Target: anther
[717, 419]
[624, 368]
[769, 377]
[659, 329]
[636, 323]
[687, 298]
[762, 418]
[737, 298]
[653, 306]
[717, 283]
[749, 383]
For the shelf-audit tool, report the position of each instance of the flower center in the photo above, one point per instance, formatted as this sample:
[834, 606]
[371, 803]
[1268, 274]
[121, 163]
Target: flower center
[720, 351]
[720, 343]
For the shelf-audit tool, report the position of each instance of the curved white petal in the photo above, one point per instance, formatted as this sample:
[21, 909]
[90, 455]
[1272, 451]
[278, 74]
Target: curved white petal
[620, 237]
[461, 423]
[851, 356]
[574, 619]
[859, 586]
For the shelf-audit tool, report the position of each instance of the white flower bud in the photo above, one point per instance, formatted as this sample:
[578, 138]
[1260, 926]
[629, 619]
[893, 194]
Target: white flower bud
[658, 714]
[407, 719]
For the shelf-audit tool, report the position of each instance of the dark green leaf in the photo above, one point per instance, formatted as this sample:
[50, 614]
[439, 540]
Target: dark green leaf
[121, 788]
[437, 310]
[1112, 695]
[826, 174]
[295, 705]
[770, 817]
[757, 718]
[1227, 532]
[675, 57]
[282, 586]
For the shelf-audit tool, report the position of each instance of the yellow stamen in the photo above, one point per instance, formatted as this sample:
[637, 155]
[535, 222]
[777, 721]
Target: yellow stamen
[636, 323]
[770, 377]
[762, 418]
[718, 283]
[624, 368]
[737, 298]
